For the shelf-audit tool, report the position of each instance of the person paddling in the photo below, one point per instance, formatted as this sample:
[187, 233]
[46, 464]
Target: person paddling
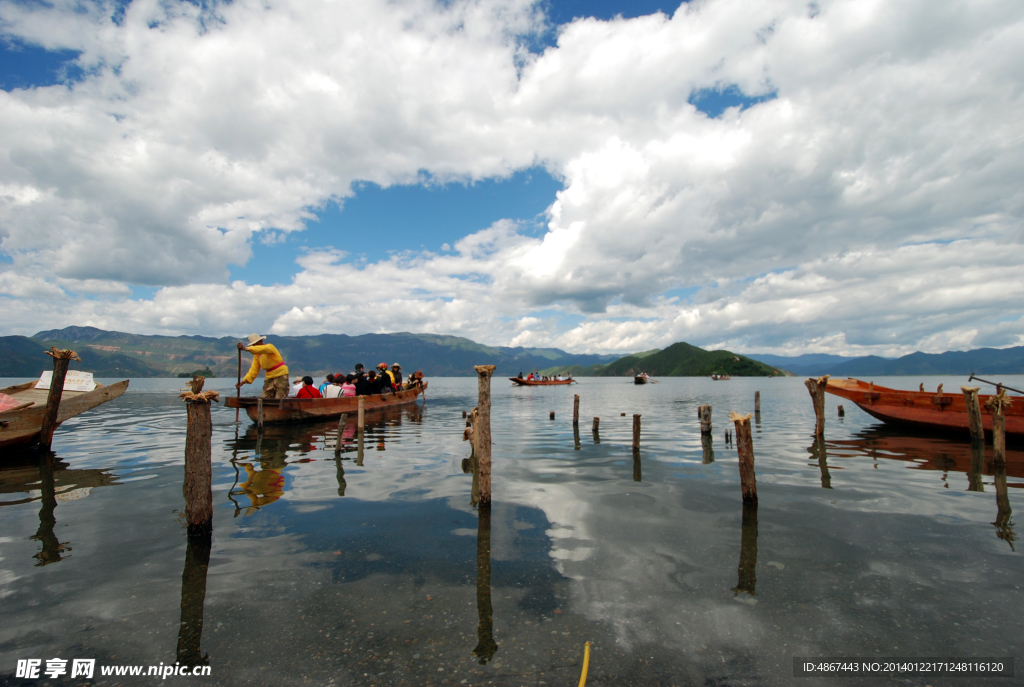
[266, 357]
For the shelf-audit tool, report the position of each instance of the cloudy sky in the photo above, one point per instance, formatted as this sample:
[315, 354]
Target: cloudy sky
[779, 176]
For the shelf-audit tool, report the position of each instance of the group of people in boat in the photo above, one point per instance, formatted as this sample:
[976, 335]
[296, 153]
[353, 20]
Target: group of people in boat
[358, 383]
[537, 377]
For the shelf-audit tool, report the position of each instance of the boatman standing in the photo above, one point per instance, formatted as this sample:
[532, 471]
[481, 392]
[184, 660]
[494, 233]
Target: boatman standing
[266, 357]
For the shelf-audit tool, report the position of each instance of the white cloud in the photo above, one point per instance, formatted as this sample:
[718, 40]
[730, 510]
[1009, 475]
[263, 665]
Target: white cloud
[873, 205]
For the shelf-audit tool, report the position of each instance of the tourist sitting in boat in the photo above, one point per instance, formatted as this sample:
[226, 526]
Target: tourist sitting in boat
[327, 382]
[359, 371]
[296, 386]
[387, 380]
[365, 384]
[415, 380]
[396, 372]
[348, 388]
[333, 390]
[308, 390]
[266, 357]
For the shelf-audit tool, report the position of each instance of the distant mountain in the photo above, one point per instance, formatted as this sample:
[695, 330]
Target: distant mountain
[684, 360]
[981, 360]
[167, 356]
[22, 357]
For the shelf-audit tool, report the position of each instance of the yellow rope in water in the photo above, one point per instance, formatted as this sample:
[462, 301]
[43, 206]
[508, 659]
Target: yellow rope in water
[586, 664]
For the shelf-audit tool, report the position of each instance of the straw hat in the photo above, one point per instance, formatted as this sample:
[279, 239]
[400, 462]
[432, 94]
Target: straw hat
[253, 338]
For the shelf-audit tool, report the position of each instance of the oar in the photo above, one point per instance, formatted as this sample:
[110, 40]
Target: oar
[239, 389]
[996, 384]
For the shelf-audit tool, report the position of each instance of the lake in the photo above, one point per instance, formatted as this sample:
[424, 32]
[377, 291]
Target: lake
[373, 569]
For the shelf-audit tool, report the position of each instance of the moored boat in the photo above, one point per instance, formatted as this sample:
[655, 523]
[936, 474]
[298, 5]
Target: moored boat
[305, 409]
[20, 425]
[540, 382]
[939, 410]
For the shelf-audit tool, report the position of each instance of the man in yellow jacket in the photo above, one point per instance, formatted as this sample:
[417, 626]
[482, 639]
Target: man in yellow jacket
[266, 357]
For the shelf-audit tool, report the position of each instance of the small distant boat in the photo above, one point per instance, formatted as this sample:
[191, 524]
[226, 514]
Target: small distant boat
[720, 378]
[538, 382]
[641, 378]
[946, 411]
[291, 409]
[20, 424]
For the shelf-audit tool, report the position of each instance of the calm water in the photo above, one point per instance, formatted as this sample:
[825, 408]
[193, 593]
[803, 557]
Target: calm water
[365, 571]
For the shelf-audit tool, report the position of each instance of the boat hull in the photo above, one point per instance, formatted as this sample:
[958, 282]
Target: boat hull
[946, 411]
[286, 410]
[534, 382]
[21, 427]
[639, 380]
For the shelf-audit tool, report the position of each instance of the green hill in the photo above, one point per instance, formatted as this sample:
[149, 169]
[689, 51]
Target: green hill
[683, 360]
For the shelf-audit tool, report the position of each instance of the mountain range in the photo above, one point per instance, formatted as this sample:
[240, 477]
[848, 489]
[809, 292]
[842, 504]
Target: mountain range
[119, 354]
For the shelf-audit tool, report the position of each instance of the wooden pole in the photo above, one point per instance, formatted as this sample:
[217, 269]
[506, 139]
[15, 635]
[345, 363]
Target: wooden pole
[636, 432]
[463, 414]
[842, 411]
[576, 410]
[745, 448]
[973, 404]
[974, 474]
[361, 417]
[342, 421]
[704, 413]
[551, 415]
[359, 447]
[61, 360]
[596, 429]
[259, 413]
[198, 462]
[757, 402]
[996, 404]
[482, 430]
[239, 389]
[816, 387]
[597, 424]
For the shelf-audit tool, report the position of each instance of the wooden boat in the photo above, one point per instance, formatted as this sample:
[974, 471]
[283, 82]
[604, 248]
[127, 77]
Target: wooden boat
[306, 409]
[946, 411]
[720, 378]
[641, 378]
[20, 426]
[536, 382]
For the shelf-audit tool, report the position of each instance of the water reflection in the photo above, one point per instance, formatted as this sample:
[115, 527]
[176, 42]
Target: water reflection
[707, 445]
[486, 647]
[637, 472]
[1004, 528]
[193, 600]
[818, 451]
[747, 572]
[974, 481]
[48, 480]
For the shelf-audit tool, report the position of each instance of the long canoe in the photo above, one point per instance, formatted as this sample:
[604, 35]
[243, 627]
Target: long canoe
[306, 409]
[945, 411]
[537, 382]
[20, 426]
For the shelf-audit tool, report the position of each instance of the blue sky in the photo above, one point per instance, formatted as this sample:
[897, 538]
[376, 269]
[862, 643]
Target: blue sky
[761, 175]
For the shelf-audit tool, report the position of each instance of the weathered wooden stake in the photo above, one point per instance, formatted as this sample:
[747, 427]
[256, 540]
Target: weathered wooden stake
[974, 413]
[816, 387]
[597, 423]
[704, 413]
[361, 417]
[198, 465]
[359, 446]
[551, 415]
[342, 421]
[596, 430]
[996, 404]
[842, 411]
[259, 413]
[463, 414]
[757, 402]
[576, 410]
[622, 414]
[61, 360]
[482, 430]
[636, 432]
[745, 448]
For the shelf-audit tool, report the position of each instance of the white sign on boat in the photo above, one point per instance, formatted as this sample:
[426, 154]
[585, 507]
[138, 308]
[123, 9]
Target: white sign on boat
[74, 381]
